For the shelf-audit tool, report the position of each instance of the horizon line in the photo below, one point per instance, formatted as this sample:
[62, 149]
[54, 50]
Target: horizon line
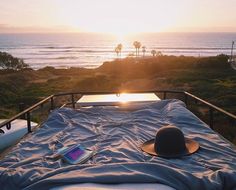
[110, 33]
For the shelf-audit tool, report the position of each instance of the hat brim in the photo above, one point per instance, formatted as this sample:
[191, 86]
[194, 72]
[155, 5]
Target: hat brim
[191, 147]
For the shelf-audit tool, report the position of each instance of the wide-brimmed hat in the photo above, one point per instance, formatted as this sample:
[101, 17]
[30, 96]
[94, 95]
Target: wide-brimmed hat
[170, 143]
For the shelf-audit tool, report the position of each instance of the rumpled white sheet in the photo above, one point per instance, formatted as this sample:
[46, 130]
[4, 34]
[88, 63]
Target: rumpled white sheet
[116, 134]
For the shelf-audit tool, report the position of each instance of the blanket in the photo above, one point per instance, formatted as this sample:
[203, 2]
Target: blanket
[116, 134]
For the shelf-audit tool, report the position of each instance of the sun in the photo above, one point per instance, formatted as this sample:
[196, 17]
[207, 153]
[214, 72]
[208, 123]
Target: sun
[106, 20]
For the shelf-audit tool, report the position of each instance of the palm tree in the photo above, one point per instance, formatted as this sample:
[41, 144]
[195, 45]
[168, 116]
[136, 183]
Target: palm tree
[144, 50]
[139, 46]
[136, 47]
[120, 46]
[159, 53]
[117, 51]
[153, 52]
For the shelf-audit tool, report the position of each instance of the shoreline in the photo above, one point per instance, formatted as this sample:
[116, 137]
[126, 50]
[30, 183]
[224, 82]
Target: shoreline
[80, 65]
[135, 59]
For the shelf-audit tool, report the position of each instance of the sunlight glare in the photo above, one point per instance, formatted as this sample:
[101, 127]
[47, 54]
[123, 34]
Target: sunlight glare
[117, 98]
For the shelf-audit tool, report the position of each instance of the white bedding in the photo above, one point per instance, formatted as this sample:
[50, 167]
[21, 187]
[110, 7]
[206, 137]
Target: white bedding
[116, 135]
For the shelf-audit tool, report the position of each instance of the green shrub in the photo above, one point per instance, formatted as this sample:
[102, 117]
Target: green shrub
[8, 62]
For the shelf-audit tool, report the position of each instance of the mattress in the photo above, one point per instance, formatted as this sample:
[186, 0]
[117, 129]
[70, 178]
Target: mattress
[116, 134]
[124, 186]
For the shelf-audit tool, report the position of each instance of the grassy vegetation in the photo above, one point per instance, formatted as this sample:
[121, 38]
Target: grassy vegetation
[210, 78]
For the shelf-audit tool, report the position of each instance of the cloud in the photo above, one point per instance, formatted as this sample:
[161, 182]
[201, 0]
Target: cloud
[203, 29]
[4, 28]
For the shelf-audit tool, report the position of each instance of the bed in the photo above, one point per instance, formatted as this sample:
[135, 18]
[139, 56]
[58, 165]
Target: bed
[116, 134]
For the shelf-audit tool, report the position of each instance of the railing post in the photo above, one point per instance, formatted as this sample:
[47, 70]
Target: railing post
[164, 95]
[211, 117]
[52, 103]
[73, 100]
[28, 122]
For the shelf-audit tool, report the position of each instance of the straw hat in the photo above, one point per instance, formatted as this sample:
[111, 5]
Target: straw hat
[170, 143]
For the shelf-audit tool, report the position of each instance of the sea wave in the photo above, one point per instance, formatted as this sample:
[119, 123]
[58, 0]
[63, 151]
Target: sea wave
[92, 50]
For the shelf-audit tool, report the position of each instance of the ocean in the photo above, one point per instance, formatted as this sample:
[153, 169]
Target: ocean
[90, 50]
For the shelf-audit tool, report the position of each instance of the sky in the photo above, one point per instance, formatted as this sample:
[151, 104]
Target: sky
[117, 17]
